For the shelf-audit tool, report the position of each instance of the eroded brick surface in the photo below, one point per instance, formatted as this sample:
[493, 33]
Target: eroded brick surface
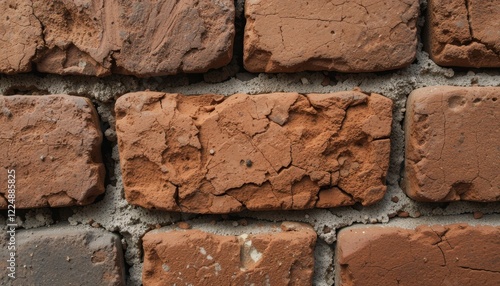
[427, 255]
[146, 38]
[53, 143]
[194, 257]
[64, 256]
[210, 154]
[453, 144]
[464, 32]
[347, 36]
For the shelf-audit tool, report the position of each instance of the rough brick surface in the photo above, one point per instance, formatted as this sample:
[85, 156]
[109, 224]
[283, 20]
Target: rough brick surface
[347, 36]
[453, 144]
[194, 257]
[54, 145]
[427, 255]
[210, 154]
[464, 32]
[146, 38]
[65, 256]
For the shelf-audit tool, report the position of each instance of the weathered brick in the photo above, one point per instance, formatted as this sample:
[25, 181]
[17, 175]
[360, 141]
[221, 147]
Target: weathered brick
[53, 143]
[427, 255]
[211, 154]
[464, 33]
[65, 256]
[347, 36]
[453, 144]
[146, 38]
[194, 257]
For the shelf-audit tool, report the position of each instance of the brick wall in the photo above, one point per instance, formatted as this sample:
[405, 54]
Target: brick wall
[250, 142]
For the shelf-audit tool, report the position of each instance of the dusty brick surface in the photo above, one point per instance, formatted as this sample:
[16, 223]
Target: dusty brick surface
[427, 255]
[464, 33]
[53, 144]
[453, 144]
[194, 257]
[65, 256]
[210, 154]
[146, 38]
[347, 36]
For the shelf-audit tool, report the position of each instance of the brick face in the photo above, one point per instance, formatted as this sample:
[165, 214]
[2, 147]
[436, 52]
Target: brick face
[347, 36]
[210, 154]
[194, 257]
[53, 144]
[147, 38]
[65, 256]
[452, 144]
[427, 255]
[464, 33]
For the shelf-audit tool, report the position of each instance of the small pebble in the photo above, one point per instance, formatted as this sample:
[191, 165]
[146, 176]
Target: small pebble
[249, 163]
[212, 151]
[304, 80]
[478, 215]
[235, 223]
[183, 225]
[395, 199]
[403, 214]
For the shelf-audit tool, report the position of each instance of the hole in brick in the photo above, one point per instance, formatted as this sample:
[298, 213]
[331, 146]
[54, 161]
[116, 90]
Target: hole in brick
[476, 100]
[456, 101]
[357, 206]
[494, 99]
[461, 187]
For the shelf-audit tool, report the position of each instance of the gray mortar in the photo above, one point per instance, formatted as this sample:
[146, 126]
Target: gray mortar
[114, 214]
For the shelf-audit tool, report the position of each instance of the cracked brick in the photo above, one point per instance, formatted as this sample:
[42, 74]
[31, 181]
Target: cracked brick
[457, 254]
[215, 154]
[45, 139]
[346, 36]
[20, 36]
[147, 38]
[281, 256]
[452, 144]
[65, 255]
[464, 33]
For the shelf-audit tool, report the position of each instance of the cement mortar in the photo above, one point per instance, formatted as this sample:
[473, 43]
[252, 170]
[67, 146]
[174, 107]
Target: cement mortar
[114, 214]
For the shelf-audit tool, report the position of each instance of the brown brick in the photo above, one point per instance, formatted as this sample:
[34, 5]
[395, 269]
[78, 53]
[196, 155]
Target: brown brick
[464, 33]
[146, 38]
[53, 144]
[347, 36]
[64, 256]
[210, 154]
[453, 144]
[20, 35]
[194, 257]
[427, 255]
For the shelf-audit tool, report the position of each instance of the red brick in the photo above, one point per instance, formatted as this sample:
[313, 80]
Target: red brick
[54, 145]
[464, 33]
[194, 257]
[64, 256]
[210, 154]
[453, 144]
[427, 255]
[346, 36]
[146, 38]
